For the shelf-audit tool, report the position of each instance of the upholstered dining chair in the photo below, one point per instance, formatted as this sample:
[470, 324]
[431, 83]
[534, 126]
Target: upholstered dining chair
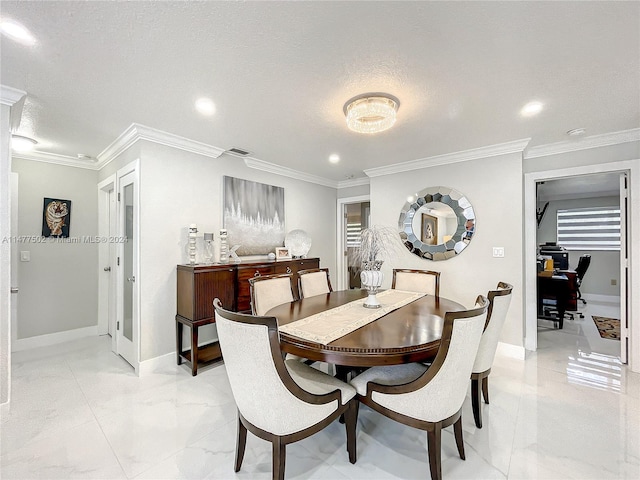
[314, 281]
[281, 401]
[425, 281]
[269, 291]
[430, 398]
[499, 301]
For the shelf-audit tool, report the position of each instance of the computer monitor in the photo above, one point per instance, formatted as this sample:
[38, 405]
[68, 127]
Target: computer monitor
[560, 258]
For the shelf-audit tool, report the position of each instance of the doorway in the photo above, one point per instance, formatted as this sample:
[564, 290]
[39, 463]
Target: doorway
[580, 222]
[107, 216]
[353, 215]
[630, 301]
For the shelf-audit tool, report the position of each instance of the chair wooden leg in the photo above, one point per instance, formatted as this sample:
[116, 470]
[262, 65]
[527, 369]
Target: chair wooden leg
[434, 445]
[485, 389]
[241, 443]
[475, 402]
[279, 455]
[350, 420]
[457, 432]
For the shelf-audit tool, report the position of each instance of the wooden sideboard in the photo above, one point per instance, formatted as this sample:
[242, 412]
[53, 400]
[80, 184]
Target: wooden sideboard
[198, 285]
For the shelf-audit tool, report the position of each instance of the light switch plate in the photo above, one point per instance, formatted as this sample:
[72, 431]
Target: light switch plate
[25, 256]
[498, 252]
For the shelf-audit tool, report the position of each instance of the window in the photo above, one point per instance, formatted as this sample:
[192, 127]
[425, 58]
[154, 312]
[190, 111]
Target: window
[353, 234]
[593, 228]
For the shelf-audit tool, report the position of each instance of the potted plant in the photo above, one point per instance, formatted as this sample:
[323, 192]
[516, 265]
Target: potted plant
[377, 243]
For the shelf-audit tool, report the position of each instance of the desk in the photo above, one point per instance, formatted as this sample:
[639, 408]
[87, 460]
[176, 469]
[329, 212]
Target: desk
[409, 334]
[554, 288]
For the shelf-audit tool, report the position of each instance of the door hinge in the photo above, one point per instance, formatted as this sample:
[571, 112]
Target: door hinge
[345, 216]
[117, 325]
[118, 196]
[118, 261]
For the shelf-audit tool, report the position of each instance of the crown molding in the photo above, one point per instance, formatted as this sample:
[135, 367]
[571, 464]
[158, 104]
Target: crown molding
[288, 172]
[64, 160]
[594, 141]
[354, 182]
[137, 132]
[515, 146]
[13, 98]
[10, 96]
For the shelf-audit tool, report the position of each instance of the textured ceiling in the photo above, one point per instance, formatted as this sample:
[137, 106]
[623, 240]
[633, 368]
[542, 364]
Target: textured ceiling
[280, 72]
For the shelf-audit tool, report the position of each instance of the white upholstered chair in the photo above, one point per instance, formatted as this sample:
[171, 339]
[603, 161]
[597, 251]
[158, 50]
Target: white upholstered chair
[269, 291]
[314, 281]
[499, 301]
[281, 401]
[430, 398]
[424, 281]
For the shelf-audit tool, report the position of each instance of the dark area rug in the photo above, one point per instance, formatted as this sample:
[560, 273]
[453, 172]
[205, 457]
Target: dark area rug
[608, 327]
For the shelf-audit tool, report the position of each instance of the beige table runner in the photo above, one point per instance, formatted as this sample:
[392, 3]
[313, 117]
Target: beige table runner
[325, 327]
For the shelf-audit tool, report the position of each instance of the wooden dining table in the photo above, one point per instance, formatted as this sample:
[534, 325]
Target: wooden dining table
[408, 334]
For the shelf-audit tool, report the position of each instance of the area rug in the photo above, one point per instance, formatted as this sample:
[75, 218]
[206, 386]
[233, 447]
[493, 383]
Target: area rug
[608, 327]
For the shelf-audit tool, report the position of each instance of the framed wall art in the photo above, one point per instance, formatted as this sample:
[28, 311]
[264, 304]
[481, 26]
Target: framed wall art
[429, 229]
[253, 216]
[56, 218]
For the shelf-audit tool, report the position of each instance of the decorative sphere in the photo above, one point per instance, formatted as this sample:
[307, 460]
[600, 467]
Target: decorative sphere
[271, 256]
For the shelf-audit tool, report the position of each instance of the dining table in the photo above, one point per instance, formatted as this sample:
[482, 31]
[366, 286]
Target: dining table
[407, 334]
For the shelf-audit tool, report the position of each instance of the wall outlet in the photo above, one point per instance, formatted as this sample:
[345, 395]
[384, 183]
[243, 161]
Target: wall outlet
[614, 281]
[498, 252]
[25, 256]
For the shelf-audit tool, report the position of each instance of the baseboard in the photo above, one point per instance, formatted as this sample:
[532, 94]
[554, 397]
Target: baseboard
[594, 297]
[511, 351]
[53, 338]
[147, 367]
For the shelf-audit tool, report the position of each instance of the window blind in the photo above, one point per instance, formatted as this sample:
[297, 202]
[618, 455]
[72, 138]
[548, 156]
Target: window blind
[593, 228]
[353, 234]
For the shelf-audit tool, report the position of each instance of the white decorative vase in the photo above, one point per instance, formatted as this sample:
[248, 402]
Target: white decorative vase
[371, 278]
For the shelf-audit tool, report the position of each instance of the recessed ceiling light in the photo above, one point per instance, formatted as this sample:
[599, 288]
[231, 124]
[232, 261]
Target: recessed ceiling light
[531, 109]
[20, 143]
[205, 106]
[17, 31]
[334, 158]
[576, 132]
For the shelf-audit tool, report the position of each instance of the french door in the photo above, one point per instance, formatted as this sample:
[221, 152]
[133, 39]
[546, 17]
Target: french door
[127, 324]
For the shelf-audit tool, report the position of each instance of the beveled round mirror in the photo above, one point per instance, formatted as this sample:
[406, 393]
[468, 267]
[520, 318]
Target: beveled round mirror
[437, 223]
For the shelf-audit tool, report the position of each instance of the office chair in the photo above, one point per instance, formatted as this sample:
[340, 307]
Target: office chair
[581, 269]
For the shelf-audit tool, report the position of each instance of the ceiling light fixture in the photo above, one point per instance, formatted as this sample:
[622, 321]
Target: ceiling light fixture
[371, 112]
[20, 143]
[17, 31]
[205, 106]
[334, 158]
[531, 109]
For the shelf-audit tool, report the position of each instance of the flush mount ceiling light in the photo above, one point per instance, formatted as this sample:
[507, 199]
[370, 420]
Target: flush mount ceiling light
[334, 158]
[371, 112]
[21, 143]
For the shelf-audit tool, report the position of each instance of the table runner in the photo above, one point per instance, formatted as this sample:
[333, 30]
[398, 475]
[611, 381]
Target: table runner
[327, 326]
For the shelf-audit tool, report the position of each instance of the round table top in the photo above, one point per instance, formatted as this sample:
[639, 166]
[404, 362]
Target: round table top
[409, 334]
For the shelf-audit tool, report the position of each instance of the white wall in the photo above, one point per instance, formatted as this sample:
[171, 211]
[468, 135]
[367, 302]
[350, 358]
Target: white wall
[494, 188]
[178, 188]
[356, 191]
[605, 265]
[58, 287]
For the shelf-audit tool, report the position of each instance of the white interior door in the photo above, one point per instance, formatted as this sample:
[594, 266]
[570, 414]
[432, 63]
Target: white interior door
[624, 269]
[15, 255]
[108, 234]
[127, 325]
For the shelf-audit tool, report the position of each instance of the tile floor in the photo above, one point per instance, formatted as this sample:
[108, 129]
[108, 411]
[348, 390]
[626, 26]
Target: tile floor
[570, 411]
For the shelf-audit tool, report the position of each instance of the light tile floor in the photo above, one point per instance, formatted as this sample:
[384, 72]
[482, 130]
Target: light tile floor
[570, 411]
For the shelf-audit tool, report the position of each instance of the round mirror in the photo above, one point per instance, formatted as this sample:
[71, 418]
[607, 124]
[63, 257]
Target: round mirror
[437, 223]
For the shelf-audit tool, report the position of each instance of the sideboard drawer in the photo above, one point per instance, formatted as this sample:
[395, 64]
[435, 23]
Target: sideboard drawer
[244, 274]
